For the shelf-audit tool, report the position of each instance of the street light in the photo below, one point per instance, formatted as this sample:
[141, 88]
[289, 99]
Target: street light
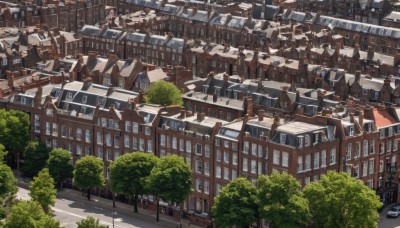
[113, 216]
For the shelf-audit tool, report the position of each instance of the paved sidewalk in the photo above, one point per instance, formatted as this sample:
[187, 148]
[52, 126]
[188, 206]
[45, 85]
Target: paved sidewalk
[121, 208]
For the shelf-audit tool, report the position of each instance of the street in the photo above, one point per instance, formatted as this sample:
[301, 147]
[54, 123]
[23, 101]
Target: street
[386, 222]
[69, 212]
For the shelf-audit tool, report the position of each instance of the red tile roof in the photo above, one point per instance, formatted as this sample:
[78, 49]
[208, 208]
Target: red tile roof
[383, 118]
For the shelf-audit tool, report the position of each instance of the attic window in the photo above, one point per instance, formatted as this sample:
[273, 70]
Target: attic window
[282, 138]
[351, 130]
[390, 131]
[69, 96]
[23, 100]
[307, 140]
[300, 140]
[84, 99]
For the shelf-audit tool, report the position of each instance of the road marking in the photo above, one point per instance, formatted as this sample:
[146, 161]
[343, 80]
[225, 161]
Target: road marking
[83, 217]
[99, 208]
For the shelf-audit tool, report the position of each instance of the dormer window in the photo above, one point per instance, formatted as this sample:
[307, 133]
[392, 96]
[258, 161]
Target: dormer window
[307, 140]
[369, 127]
[390, 131]
[316, 138]
[382, 133]
[216, 91]
[351, 131]
[23, 100]
[205, 89]
[314, 110]
[282, 138]
[236, 95]
[300, 140]
[69, 96]
[84, 99]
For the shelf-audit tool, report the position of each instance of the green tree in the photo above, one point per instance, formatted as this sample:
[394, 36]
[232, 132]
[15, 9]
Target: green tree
[236, 204]
[128, 174]
[90, 222]
[14, 132]
[8, 183]
[3, 153]
[170, 179]
[338, 200]
[59, 165]
[163, 93]
[281, 201]
[35, 157]
[29, 214]
[88, 173]
[42, 190]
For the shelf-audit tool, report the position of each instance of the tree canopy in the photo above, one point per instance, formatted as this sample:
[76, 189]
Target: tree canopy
[59, 165]
[236, 204]
[90, 222]
[88, 173]
[170, 179]
[8, 183]
[35, 156]
[3, 152]
[14, 130]
[29, 214]
[129, 172]
[281, 201]
[338, 200]
[42, 190]
[163, 93]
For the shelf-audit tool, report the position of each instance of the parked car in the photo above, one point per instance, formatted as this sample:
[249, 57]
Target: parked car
[394, 212]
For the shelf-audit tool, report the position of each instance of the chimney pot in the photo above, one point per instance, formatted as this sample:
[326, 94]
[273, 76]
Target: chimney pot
[183, 114]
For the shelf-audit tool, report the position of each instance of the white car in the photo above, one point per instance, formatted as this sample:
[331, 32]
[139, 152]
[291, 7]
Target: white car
[394, 212]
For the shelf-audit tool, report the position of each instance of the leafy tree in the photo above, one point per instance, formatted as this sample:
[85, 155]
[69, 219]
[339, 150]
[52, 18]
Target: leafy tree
[90, 222]
[8, 183]
[163, 93]
[236, 204]
[59, 165]
[170, 179]
[128, 174]
[42, 190]
[14, 131]
[35, 157]
[88, 173]
[281, 202]
[338, 200]
[3, 152]
[29, 214]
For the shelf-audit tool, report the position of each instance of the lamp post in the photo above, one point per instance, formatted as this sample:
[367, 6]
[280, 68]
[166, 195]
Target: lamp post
[113, 216]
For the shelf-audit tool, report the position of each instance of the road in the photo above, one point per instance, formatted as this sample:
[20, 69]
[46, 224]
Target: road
[386, 222]
[69, 212]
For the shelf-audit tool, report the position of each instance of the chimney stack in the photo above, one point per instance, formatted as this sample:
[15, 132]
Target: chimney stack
[361, 118]
[260, 114]
[10, 78]
[351, 115]
[226, 77]
[183, 114]
[201, 116]
[357, 76]
[215, 97]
